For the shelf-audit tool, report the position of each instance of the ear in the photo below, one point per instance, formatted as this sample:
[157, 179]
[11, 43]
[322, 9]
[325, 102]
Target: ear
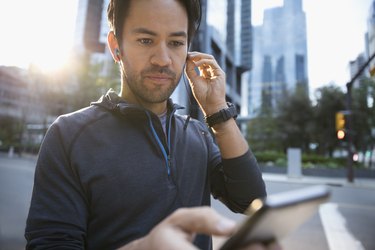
[114, 46]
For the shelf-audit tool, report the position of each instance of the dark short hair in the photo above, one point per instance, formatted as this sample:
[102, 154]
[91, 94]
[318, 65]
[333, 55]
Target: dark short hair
[118, 10]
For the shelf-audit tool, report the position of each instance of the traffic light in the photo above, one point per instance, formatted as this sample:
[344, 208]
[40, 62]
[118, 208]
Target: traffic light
[340, 121]
[340, 125]
[372, 71]
[341, 134]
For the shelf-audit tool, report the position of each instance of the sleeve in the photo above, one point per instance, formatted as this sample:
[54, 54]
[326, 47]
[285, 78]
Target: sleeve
[237, 182]
[58, 211]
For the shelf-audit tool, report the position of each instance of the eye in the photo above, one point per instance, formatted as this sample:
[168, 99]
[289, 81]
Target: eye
[145, 41]
[176, 43]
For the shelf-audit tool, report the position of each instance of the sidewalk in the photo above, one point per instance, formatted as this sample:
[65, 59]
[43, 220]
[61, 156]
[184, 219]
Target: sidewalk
[358, 182]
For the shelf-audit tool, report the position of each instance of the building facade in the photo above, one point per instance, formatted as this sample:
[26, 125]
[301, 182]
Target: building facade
[91, 32]
[89, 25]
[355, 66]
[370, 37]
[279, 56]
[23, 116]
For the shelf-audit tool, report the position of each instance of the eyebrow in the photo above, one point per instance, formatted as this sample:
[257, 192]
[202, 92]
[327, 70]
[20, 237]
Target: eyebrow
[152, 33]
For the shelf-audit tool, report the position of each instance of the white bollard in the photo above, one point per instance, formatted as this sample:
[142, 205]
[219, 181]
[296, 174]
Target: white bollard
[294, 163]
[11, 152]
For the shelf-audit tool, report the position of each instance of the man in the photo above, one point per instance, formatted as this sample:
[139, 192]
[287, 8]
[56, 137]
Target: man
[106, 175]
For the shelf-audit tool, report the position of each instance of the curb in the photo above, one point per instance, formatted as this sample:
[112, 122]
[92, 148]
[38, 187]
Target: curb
[341, 182]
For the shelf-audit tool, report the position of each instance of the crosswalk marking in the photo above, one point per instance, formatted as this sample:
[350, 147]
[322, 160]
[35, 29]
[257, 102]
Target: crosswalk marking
[334, 224]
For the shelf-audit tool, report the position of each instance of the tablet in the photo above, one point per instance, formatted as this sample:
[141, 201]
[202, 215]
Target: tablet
[276, 216]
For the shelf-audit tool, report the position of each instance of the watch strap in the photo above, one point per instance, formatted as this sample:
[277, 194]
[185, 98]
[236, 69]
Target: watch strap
[222, 115]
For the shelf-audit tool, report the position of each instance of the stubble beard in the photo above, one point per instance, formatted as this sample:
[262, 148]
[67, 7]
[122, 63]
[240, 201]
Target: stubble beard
[158, 94]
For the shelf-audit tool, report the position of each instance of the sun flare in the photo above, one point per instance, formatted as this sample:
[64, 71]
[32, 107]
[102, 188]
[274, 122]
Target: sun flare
[51, 56]
[39, 32]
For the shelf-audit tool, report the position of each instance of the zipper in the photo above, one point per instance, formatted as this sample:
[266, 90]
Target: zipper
[165, 152]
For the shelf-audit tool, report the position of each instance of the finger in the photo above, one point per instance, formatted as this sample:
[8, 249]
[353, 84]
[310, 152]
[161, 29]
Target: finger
[191, 73]
[203, 220]
[209, 68]
[200, 59]
[184, 245]
[260, 246]
[195, 56]
[206, 71]
[205, 62]
[255, 246]
[207, 65]
[274, 246]
[180, 240]
[211, 62]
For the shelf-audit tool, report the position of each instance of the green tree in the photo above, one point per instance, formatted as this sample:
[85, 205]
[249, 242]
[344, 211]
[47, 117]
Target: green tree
[294, 120]
[330, 99]
[263, 132]
[11, 131]
[93, 81]
[363, 115]
[49, 90]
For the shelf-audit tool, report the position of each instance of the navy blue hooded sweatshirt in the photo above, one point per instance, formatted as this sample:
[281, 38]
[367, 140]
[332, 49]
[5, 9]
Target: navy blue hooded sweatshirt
[107, 174]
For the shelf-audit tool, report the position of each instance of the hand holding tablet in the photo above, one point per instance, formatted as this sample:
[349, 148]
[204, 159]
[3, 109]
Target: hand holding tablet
[274, 217]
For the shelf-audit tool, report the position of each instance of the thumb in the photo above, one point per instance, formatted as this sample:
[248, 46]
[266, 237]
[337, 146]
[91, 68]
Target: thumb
[190, 70]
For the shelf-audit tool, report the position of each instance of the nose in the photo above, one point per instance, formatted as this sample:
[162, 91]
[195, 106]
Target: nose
[161, 56]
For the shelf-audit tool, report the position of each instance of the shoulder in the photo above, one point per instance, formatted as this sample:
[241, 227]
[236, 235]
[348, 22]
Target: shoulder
[67, 127]
[80, 118]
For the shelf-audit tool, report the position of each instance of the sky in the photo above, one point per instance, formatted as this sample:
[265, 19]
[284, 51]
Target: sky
[42, 32]
[335, 35]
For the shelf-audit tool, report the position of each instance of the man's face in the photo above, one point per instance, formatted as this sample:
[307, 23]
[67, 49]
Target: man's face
[154, 49]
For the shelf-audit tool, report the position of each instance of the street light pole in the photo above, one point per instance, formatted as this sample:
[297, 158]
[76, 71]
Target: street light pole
[349, 138]
[349, 85]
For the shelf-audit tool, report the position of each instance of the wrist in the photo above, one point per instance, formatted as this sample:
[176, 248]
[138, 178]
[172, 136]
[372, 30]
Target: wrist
[214, 109]
[222, 115]
[222, 127]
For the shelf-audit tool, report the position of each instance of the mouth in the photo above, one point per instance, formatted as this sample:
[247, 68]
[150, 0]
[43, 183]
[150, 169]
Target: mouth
[159, 78]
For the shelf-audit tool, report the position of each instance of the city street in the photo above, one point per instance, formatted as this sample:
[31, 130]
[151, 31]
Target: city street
[347, 221]
[16, 181]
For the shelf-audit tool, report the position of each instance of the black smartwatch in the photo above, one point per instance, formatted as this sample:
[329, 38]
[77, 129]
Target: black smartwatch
[222, 116]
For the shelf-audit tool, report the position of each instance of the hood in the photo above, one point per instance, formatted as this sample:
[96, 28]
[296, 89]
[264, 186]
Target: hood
[112, 102]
